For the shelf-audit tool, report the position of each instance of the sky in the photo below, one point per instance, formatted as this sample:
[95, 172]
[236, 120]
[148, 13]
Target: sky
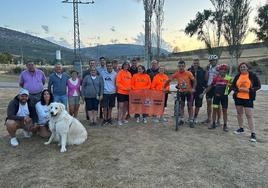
[105, 21]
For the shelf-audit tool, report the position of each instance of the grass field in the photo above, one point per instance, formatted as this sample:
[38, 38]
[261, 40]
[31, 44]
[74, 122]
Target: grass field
[138, 155]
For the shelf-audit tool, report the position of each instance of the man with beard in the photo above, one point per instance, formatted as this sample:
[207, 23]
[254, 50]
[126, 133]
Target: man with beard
[20, 112]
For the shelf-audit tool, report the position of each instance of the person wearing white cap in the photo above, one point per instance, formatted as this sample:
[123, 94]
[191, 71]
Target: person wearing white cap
[20, 112]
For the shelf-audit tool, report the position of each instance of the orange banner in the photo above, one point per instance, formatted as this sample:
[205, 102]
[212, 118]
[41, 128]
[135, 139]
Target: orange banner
[149, 102]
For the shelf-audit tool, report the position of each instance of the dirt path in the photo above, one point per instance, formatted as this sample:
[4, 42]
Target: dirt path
[152, 155]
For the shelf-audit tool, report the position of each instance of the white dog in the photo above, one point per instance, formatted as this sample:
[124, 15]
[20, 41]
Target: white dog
[64, 128]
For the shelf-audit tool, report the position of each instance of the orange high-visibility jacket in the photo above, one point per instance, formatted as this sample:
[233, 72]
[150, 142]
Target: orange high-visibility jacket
[123, 82]
[159, 82]
[140, 81]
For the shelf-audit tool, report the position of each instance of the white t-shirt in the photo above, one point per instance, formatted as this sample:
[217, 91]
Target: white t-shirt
[42, 113]
[23, 110]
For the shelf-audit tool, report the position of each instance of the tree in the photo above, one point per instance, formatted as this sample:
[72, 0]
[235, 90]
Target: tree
[5, 58]
[208, 26]
[236, 26]
[148, 8]
[262, 22]
[176, 49]
[159, 18]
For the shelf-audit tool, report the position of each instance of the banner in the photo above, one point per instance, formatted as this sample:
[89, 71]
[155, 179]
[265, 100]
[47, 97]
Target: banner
[147, 101]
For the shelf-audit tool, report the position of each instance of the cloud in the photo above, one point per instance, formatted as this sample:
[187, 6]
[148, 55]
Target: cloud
[32, 33]
[112, 28]
[45, 28]
[139, 39]
[65, 17]
[114, 41]
[61, 41]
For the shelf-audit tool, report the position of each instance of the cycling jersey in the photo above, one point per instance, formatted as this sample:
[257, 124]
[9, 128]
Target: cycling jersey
[184, 80]
[221, 85]
[212, 73]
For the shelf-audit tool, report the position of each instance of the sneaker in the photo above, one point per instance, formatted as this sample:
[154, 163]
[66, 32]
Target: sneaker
[156, 120]
[104, 122]
[120, 123]
[239, 131]
[14, 142]
[137, 120]
[253, 137]
[145, 120]
[225, 129]
[162, 119]
[27, 134]
[125, 121]
[128, 116]
[213, 126]
[110, 121]
[191, 123]
[181, 122]
[195, 121]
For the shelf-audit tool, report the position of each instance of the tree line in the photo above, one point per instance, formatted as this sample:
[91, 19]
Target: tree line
[227, 24]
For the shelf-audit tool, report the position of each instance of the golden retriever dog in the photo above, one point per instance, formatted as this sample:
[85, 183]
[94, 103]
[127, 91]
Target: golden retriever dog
[65, 129]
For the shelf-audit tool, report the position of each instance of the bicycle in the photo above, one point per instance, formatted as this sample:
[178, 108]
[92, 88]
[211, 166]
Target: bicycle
[177, 109]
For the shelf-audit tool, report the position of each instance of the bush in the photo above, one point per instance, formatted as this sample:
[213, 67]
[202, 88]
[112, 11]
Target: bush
[16, 70]
[253, 63]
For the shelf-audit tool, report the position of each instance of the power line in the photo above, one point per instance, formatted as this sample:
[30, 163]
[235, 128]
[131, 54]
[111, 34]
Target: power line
[77, 56]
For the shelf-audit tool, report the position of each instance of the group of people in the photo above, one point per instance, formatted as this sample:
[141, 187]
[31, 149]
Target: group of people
[105, 86]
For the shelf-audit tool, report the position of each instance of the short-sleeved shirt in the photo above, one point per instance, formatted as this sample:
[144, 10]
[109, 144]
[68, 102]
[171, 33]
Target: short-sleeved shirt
[34, 83]
[109, 82]
[23, 110]
[184, 80]
[212, 73]
[243, 82]
[221, 85]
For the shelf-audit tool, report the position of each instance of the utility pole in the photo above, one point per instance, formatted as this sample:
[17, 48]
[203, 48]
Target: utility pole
[77, 56]
[159, 18]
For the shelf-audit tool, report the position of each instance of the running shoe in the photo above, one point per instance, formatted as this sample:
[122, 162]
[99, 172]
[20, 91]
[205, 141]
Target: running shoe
[253, 137]
[137, 120]
[213, 126]
[125, 121]
[225, 128]
[145, 120]
[239, 131]
[14, 142]
[120, 123]
[155, 120]
[191, 123]
[162, 119]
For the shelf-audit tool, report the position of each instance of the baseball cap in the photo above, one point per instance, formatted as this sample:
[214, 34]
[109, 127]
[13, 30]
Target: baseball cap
[23, 91]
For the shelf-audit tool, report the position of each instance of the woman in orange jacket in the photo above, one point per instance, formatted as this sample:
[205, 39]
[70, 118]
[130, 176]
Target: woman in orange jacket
[123, 84]
[158, 83]
[141, 81]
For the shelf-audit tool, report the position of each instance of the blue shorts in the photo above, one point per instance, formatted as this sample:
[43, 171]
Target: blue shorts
[92, 104]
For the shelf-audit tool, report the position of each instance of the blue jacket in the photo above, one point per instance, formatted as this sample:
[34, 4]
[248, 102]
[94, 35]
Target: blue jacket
[56, 85]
